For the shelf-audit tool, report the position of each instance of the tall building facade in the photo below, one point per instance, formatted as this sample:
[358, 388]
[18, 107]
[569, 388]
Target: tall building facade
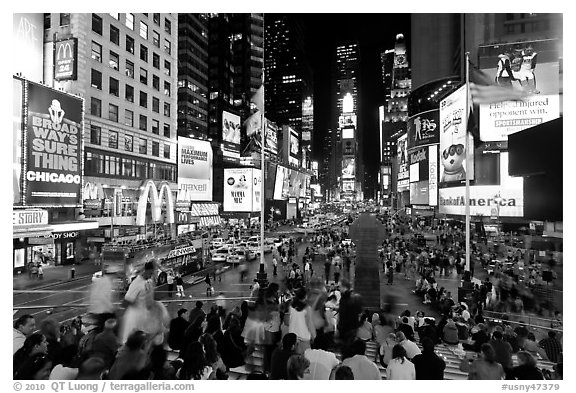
[396, 74]
[193, 75]
[349, 136]
[127, 76]
[288, 78]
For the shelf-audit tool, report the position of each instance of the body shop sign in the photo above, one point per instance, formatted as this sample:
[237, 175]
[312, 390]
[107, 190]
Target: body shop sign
[54, 131]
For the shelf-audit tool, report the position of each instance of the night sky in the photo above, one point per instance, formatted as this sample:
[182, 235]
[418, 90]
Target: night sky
[374, 32]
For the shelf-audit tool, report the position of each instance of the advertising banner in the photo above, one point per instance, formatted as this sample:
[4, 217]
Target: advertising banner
[65, 59]
[535, 69]
[419, 193]
[230, 135]
[271, 137]
[347, 120]
[433, 175]
[294, 144]
[279, 183]
[423, 129]
[403, 170]
[348, 133]
[348, 168]
[453, 138]
[239, 193]
[348, 186]
[17, 134]
[256, 190]
[28, 40]
[418, 164]
[194, 170]
[54, 150]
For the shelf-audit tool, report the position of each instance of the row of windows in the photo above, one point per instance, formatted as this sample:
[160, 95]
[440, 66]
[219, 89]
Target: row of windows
[128, 120]
[127, 142]
[96, 164]
[114, 58]
[114, 88]
[97, 25]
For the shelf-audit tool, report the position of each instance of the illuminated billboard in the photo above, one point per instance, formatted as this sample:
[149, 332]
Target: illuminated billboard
[348, 133]
[17, 134]
[230, 135]
[281, 174]
[242, 190]
[54, 147]
[271, 137]
[423, 129]
[347, 120]
[28, 40]
[348, 186]
[294, 144]
[505, 199]
[535, 68]
[403, 170]
[194, 170]
[348, 168]
[454, 142]
[424, 175]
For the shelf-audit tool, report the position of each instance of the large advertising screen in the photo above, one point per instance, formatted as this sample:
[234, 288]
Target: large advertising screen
[454, 140]
[530, 66]
[242, 190]
[505, 199]
[403, 170]
[419, 193]
[423, 129]
[348, 133]
[194, 170]
[348, 186]
[424, 175]
[54, 147]
[279, 183]
[271, 137]
[28, 40]
[17, 134]
[348, 168]
[294, 144]
[230, 135]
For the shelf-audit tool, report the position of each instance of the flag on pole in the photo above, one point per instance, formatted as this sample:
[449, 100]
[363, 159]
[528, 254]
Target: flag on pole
[258, 98]
[253, 123]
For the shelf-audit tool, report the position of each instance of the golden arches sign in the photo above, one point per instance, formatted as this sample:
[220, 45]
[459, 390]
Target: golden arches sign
[149, 189]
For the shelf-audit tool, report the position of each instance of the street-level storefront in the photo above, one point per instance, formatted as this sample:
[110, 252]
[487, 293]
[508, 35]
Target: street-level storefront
[193, 216]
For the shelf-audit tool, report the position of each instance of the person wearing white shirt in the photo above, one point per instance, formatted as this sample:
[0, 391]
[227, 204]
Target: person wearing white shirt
[321, 364]
[362, 367]
[23, 327]
[400, 368]
[409, 346]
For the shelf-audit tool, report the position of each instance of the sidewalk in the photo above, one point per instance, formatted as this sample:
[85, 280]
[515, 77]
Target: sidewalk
[54, 275]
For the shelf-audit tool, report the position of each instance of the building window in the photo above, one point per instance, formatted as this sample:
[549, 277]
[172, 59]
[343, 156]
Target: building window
[156, 82]
[143, 30]
[128, 118]
[114, 35]
[156, 39]
[114, 87]
[167, 26]
[143, 99]
[166, 151]
[167, 68]
[129, 69]
[96, 24]
[113, 139]
[143, 76]
[143, 123]
[65, 20]
[155, 105]
[114, 15]
[129, 95]
[156, 19]
[167, 46]
[128, 142]
[47, 21]
[143, 53]
[97, 52]
[155, 127]
[96, 79]
[167, 88]
[155, 149]
[130, 21]
[129, 44]
[143, 147]
[114, 61]
[155, 60]
[113, 112]
[167, 130]
[166, 109]
[95, 107]
[95, 134]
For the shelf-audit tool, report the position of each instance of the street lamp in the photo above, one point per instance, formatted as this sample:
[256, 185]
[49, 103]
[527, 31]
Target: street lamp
[498, 199]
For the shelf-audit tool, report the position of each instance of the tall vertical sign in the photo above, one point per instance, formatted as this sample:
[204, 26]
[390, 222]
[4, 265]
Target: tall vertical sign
[65, 59]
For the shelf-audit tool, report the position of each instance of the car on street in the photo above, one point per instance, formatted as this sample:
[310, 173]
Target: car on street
[220, 255]
[255, 248]
[269, 245]
[235, 258]
[347, 242]
[217, 242]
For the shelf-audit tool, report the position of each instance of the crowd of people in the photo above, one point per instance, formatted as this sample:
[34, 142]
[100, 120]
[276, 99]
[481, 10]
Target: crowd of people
[299, 329]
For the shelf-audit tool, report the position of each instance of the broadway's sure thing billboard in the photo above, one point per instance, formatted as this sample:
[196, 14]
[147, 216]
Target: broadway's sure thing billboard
[535, 69]
[194, 170]
[230, 135]
[242, 190]
[454, 141]
[54, 147]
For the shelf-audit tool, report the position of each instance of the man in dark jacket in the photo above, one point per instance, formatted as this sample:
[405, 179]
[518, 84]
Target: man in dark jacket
[428, 365]
[280, 356]
[196, 313]
[503, 351]
[405, 328]
[177, 328]
[428, 330]
[106, 344]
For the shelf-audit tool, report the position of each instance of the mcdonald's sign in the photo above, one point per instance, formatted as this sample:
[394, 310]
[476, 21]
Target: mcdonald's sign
[149, 190]
[65, 59]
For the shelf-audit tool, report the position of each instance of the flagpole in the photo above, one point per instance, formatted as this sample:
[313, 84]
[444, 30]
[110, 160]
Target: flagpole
[467, 196]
